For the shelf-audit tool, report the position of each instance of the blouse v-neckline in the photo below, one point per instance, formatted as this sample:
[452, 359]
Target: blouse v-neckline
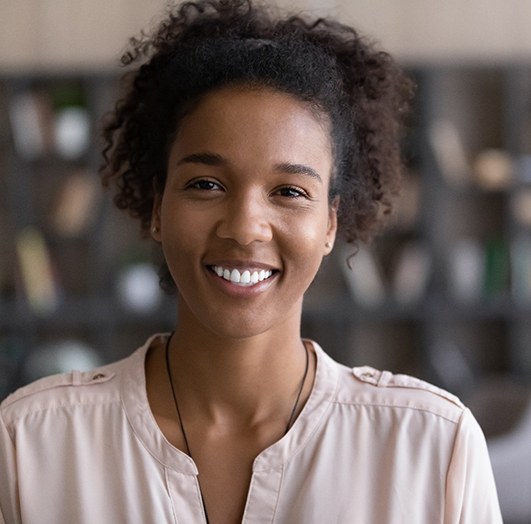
[136, 405]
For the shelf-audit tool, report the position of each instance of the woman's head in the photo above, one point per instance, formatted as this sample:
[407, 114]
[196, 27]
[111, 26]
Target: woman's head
[355, 90]
[245, 218]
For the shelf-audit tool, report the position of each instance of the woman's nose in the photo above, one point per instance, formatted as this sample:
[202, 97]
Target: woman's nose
[246, 219]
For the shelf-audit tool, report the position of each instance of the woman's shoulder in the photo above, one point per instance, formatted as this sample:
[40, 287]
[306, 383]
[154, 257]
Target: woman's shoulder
[368, 386]
[381, 389]
[64, 391]
[76, 388]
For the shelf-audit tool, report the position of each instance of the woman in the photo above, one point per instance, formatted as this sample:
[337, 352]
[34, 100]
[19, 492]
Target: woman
[244, 143]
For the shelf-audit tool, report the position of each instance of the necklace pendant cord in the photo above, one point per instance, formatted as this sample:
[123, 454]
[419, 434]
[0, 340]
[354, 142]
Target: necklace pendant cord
[291, 419]
[293, 413]
[179, 418]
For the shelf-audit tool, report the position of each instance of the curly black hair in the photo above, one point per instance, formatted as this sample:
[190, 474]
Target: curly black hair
[208, 44]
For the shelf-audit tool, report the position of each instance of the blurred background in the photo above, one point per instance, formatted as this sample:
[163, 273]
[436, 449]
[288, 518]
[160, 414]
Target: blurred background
[444, 294]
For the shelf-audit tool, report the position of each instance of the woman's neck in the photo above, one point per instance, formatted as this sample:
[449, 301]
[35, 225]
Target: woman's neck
[242, 381]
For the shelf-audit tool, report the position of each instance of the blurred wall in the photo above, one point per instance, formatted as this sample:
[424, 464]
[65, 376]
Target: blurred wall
[90, 34]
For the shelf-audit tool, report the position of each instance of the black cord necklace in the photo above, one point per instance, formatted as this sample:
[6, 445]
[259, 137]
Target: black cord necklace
[291, 419]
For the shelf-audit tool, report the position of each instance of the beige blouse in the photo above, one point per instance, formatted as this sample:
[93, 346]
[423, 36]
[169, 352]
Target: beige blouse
[369, 447]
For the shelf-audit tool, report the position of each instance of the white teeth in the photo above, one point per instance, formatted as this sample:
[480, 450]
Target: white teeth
[244, 278]
[235, 276]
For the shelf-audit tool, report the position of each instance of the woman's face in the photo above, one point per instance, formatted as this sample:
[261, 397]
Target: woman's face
[244, 219]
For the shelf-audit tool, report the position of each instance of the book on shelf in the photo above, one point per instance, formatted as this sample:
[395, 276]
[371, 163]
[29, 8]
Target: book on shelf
[523, 169]
[30, 116]
[520, 206]
[497, 267]
[364, 277]
[407, 283]
[449, 152]
[467, 270]
[412, 273]
[39, 281]
[479, 269]
[521, 269]
[77, 203]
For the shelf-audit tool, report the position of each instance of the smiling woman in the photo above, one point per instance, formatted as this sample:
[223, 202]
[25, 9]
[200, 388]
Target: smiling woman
[245, 142]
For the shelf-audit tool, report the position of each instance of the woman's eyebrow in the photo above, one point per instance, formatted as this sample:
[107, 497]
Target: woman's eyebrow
[210, 159]
[213, 159]
[298, 169]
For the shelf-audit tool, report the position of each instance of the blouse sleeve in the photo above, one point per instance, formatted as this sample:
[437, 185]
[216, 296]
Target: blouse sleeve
[8, 475]
[471, 496]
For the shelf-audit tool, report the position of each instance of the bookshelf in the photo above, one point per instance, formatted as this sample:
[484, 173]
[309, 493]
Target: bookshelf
[444, 294]
[453, 292]
[70, 265]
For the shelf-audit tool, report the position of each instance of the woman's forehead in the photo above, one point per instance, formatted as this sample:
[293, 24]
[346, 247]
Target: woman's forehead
[238, 122]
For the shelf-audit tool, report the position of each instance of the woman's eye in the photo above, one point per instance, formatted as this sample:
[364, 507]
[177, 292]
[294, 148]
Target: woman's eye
[204, 185]
[291, 192]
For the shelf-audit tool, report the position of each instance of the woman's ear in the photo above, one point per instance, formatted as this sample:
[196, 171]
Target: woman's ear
[332, 225]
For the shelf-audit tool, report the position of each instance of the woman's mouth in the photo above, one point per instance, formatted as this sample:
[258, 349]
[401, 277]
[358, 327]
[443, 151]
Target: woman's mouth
[242, 277]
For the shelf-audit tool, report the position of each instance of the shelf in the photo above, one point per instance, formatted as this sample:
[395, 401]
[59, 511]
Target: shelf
[344, 309]
[103, 313]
